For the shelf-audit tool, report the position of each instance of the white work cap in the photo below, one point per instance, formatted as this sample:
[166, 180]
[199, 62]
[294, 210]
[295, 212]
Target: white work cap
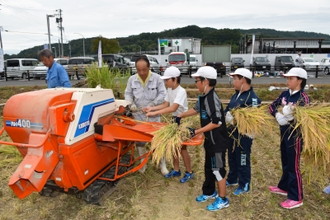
[298, 72]
[242, 72]
[171, 72]
[207, 72]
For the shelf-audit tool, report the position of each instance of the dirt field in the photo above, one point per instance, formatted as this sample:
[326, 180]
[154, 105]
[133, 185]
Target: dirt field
[151, 196]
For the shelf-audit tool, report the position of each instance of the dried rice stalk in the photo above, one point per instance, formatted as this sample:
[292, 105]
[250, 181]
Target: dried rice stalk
[167, 141]
[252, 121]
[313, 122]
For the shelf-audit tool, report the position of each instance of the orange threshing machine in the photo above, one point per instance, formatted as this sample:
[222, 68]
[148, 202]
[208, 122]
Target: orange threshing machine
[76, 140]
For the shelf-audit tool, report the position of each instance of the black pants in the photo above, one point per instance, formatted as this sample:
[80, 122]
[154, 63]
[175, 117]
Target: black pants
[210, 163]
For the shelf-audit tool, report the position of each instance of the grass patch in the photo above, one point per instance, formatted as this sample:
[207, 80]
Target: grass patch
[107, 78]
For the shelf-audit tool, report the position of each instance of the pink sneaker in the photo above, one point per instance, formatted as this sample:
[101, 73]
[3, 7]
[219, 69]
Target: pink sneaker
[275, 189]
[291, 204]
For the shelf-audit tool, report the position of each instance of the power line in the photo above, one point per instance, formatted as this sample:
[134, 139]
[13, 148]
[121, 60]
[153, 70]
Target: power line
[23, 32]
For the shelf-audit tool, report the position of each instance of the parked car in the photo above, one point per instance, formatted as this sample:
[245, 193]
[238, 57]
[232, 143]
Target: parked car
[193, 62]
[325, 65]
[261, 64]
[77, 65]
[20, 67]
[154, 64]
[2, 74]
[237, 62]
[116, 61]
[310, 64]
[63, 61]
[40, 71]
[284, 63]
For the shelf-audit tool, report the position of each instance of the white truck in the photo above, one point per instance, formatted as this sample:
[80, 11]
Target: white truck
[179, 60]
[186, 63]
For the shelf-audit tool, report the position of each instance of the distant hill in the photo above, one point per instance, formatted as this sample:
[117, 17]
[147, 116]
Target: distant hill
[148, 41]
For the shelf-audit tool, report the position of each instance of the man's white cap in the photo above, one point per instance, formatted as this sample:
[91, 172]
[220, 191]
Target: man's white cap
[207, 72]
[242, 72]
[297, 71]
[171, 72]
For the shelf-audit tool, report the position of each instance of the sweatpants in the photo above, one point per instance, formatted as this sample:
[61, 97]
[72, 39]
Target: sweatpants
[239, 160]
[291, 147]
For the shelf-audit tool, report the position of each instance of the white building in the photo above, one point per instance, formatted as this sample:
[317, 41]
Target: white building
[285, 45]
[186, 44]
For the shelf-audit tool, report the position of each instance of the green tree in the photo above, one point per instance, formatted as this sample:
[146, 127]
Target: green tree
[108, 45]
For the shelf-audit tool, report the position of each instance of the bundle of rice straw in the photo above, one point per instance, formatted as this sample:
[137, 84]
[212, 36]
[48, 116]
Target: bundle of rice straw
[313, 122]
[167, 141]
[252, 121]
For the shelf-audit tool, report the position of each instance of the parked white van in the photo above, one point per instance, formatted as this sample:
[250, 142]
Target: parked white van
[20, 67]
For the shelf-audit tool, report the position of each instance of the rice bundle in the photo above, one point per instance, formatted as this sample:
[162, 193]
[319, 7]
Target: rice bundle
[252, 121]
[313, 122]
[167, 141]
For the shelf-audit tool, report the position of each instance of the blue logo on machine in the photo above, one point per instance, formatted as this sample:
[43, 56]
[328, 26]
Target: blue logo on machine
[23, 123]
[87, 114]
[83, 124]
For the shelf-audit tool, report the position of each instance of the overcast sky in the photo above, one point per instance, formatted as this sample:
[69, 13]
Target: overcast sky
[24, 22]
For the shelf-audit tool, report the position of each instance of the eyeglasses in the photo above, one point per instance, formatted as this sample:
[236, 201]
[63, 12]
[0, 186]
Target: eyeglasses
[197, 81]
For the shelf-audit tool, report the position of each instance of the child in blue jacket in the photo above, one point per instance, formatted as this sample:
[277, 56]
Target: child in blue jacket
[290, 183]
[239, 152]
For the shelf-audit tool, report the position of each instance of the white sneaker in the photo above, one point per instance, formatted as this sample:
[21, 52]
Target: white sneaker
[163, 168]
[142, 150]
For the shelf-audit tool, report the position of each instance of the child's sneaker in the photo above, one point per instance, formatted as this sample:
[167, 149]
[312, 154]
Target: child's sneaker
[173, 173]
[240, 190]
[187, 176]
[327, 190]
[275, 189]
[204, 198]
[231, 184]
[291, 204]
[218, 204]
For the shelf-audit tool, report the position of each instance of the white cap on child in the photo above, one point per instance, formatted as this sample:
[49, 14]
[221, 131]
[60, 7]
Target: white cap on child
[171, 72]
[242, 72]
[297, 71]
[207, 72]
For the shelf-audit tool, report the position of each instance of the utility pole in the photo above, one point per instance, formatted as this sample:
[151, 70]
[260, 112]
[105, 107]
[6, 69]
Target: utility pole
[59, 21]
[54, 51]
[48, 27]
[83, 42]
[1, 53]
[1, 45]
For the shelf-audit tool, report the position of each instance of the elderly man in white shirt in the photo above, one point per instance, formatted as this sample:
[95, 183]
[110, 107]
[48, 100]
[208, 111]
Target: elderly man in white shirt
[145, 89]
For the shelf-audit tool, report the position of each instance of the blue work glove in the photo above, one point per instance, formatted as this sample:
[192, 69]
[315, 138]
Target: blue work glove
[191, 131]
[177, 120]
